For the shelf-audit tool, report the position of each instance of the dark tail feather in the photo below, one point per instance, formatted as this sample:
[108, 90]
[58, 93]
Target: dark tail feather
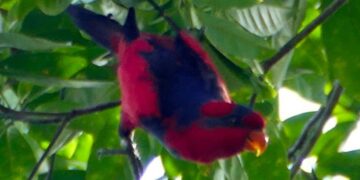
[102, 29]
[130, 27]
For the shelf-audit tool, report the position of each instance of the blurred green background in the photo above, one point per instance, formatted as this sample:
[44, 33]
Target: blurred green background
[48, 65]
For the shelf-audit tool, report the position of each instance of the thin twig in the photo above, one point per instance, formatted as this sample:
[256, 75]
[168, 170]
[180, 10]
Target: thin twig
[130, 152]
[162, 13]
[51, 167]
[291, 44]
[252, 100]
[62, 126]
[64, 122]
[96, 108]
[134, 159]
[312, 130]
[47, 118]
[304, 134]
[331, 9]
[313, 174]
[9, 113]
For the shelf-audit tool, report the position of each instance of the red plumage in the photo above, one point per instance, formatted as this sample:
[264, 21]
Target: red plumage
[171, 88]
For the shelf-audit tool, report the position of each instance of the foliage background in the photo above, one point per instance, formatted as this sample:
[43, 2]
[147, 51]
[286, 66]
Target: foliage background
[47, 65]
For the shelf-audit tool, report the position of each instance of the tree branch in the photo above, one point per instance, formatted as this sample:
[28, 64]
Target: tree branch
[331, 9]
[162, 13]
[51, 167]
[47, 118]
[291, 44]
[64, 118]
[18, 115]
[130, 152]
[252, 100]
[134, 159]
[61, 128]
[312, 130]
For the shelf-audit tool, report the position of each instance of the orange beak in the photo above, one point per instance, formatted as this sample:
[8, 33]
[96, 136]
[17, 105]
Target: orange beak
[256, 142]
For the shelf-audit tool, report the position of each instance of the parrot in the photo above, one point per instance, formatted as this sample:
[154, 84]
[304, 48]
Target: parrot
[171, 88]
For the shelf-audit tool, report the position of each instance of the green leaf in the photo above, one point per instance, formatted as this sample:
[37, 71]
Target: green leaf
[92, 96]
[128, 3]
[308, 71]
[294, 126]
[106, 136]
[27, 43]
[232, 40]
[175, 167]
[58, 28]
[287, 21]
[232, 168]
[261, 20]
[41, 133]
[83, 149]
[330, 142]
[65, 174]
[344, 163]
[18, 12]
[7, 4]
[10, 97]
[46, 64]
[48, 69]
[52, 81]
[147, 145]
[52, 7]
[220, 4]
[66, 143]
[17, 158]
[341, 40]
[308, 85]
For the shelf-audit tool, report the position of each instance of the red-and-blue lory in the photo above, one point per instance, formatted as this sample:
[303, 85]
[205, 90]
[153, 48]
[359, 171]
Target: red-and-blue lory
[171, 88]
